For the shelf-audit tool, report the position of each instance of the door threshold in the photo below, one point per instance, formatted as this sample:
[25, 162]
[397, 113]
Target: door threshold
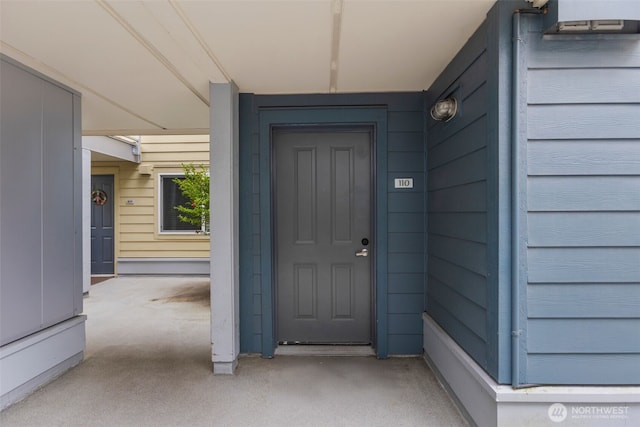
[325, 350]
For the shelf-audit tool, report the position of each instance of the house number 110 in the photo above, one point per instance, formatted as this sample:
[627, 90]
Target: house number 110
[403, 183]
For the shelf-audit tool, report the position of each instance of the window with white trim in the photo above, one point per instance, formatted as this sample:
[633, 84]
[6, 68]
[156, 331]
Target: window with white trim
[171, 196]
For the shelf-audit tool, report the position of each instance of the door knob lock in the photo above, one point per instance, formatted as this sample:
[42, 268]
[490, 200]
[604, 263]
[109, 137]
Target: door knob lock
[363, 252]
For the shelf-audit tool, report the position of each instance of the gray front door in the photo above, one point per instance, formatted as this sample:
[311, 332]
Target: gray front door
[323, 235]
[102, 221]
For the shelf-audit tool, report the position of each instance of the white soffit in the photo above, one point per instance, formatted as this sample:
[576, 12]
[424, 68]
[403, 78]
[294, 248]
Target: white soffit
[144, 67]
[403, 45]
[268, 46]
[91, 48]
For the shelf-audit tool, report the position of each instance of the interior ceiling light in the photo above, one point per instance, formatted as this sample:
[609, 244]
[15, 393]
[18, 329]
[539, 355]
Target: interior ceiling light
[444, 110]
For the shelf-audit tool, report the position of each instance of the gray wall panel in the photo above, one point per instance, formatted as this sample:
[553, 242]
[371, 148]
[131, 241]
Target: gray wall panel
[58, 221]
[20, 203]
[40, 210]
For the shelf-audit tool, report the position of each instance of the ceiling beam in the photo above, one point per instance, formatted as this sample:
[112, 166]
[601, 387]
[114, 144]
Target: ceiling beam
[152, 49]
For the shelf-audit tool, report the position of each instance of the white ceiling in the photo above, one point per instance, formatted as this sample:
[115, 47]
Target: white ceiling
[143, 67]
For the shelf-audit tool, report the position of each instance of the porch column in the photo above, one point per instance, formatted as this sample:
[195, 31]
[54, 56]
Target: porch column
[86, 220]
[225, 303]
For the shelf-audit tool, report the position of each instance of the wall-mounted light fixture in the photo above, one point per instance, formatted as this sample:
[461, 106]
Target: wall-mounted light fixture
[444, 110]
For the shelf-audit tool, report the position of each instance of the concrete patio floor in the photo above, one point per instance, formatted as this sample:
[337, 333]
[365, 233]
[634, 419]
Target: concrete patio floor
[148, 363]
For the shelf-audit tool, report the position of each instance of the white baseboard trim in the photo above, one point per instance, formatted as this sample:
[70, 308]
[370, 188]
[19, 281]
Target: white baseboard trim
[164, 266]
[33, 361]
[225, 368]
[486, 403]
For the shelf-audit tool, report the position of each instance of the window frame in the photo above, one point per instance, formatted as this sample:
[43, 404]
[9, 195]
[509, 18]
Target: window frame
[160, 209]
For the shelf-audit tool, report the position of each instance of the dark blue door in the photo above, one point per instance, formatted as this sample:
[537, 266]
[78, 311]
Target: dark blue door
[102, 221]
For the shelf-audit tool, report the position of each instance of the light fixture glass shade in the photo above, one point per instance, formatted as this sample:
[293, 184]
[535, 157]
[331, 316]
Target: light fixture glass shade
[444, 110]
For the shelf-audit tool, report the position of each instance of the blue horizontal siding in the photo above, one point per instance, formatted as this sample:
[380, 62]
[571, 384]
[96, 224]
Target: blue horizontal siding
[587, 193]
[405, 121]
[469, 139]
[402, 220]
[584, 265]
[583, 85]
[467, 169]
[406, 222]
[583, 212]
[471, 285]
[583, 369]
[403, 161]
[460, 225]
[406, 141]
[561, 54]
[470, 314]
[406, 202]
[459, 332]
[404, 323]
[463, 198]
[583, 336]
[458, 158]
[405, 303]
[406, 242]
[406, 263]
[411, 283]
[582, 121]
[469, 255]
[584, 300]
[582, 229]
[405, 343]
[405, 230]
[584, 157]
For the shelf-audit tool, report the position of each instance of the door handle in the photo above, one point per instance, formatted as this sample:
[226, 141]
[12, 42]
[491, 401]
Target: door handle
[363, 252]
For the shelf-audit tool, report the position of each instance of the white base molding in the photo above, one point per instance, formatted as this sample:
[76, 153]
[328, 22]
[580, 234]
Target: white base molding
[225, 368]
[164, 266]
[486, 403]
[35, 360]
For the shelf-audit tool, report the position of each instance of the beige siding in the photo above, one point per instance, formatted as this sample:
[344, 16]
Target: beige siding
[137, 232]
